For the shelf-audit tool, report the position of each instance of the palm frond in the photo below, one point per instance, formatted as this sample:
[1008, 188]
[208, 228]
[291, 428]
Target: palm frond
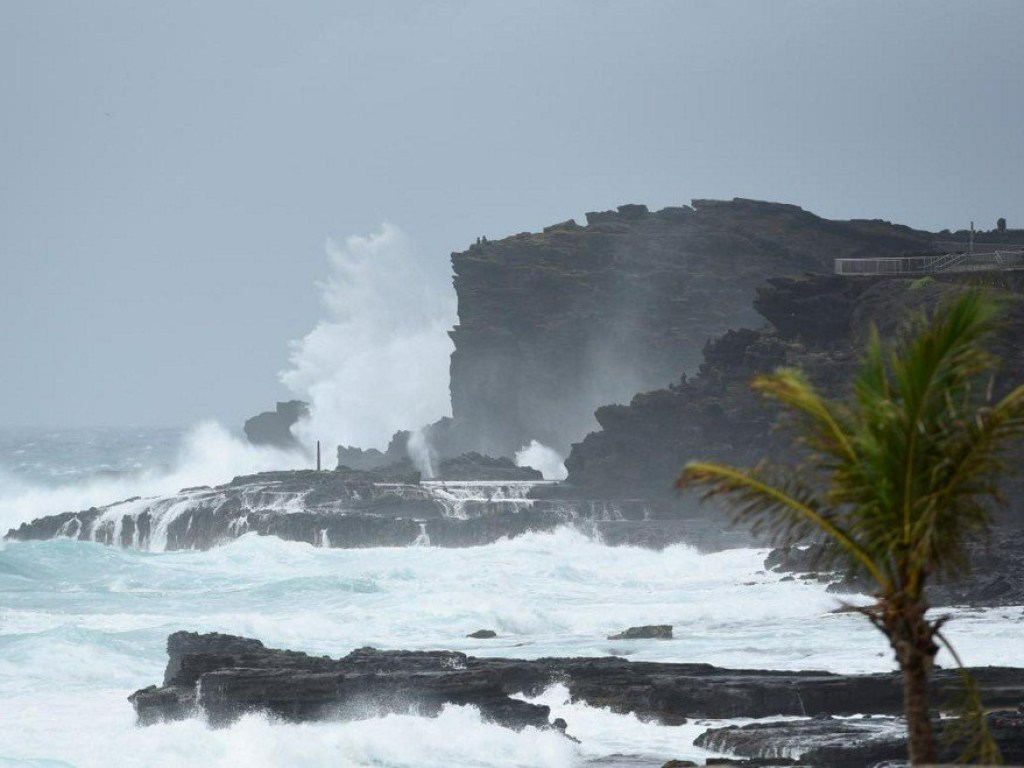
[826, 432]
[963, 476]
[782, 504]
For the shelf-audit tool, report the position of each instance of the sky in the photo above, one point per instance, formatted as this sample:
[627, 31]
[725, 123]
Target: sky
[171, 172]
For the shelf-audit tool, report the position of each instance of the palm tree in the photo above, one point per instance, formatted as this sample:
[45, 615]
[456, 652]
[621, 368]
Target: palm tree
[897, 479]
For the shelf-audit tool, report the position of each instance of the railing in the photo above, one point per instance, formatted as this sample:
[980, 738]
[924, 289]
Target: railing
[928, 265]
[898, 265]
[995, 260]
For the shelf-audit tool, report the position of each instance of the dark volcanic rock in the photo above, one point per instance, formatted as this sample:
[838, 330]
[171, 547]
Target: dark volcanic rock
[850, 743]
[819, 324]
[223, 677]
[275, 427]
[996, 576]
[483, 634]
[554, 324]
[647, 632]
[853, 743]
[349, 508]
[370, 459]
[474, 466]
[465, 466]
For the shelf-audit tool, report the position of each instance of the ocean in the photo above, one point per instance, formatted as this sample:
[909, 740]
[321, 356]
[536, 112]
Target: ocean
[83, 625]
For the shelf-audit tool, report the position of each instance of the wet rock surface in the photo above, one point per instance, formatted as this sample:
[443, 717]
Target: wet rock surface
[554, 324]
[274, 428]
[850, 743]
[816, 323]
[349, 508]
[646, 632]
[221, 677]
[996, 576]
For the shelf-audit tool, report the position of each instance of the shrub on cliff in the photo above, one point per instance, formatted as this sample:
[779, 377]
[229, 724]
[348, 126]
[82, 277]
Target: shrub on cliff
[899, 478]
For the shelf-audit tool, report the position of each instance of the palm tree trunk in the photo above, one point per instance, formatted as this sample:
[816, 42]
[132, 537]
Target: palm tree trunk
[920, 743]
[911, 638]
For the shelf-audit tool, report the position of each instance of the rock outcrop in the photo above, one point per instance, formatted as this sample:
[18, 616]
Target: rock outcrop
[474, 466]
[221, 677]
[224, 677]
[554, 324]
[851, 743]
[646, 632]
[274, 428]
[995, 578]
[818, 324]
[348, 508]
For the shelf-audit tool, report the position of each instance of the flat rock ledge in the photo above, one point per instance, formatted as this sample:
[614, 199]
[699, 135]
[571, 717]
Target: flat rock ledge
[849, 742]
[222, 677]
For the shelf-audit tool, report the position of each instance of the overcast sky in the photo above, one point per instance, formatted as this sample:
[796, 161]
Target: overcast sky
[169, 172]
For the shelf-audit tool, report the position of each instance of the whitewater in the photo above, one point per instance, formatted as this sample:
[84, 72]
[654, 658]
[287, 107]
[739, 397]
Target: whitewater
[83, 625]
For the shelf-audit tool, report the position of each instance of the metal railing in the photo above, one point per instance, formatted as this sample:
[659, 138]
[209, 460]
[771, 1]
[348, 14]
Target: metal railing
[929, 265]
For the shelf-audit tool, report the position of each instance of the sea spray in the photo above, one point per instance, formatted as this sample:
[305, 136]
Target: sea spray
[421, 453]
[208, 455]
[545, 460]
[378, 361]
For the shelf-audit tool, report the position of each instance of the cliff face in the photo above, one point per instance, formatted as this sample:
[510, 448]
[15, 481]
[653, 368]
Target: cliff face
[554, 324]
[816, 323]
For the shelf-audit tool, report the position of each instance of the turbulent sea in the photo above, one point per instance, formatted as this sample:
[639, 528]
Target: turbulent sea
[83, 625]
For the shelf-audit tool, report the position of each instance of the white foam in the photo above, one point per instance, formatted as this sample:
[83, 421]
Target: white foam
[82, 625]
[545, 460]
[209, 455]
[378, 362]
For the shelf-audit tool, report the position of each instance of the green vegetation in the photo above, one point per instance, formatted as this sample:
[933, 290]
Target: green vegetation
[898, 478]
[921, 282]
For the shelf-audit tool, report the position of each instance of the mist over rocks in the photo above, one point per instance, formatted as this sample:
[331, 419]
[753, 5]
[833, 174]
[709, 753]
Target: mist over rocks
[818, 323]
[554, 324]
[550, 325]
[637, 291]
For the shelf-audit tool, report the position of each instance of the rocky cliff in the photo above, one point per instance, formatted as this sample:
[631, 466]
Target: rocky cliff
[816, 323]
[554, 324]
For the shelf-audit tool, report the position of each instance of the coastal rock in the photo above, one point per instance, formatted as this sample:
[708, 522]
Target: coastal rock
[646, 632]
[475, 466]
[483, 634]
[222, 677]
[995, 578]
[469, 466]
[554, 324]
[850, 743]
[348, 508]
[818, 324]
[274, 428]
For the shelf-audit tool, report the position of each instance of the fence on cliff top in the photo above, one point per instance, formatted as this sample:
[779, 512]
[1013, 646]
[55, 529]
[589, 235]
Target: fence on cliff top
[930, 265]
